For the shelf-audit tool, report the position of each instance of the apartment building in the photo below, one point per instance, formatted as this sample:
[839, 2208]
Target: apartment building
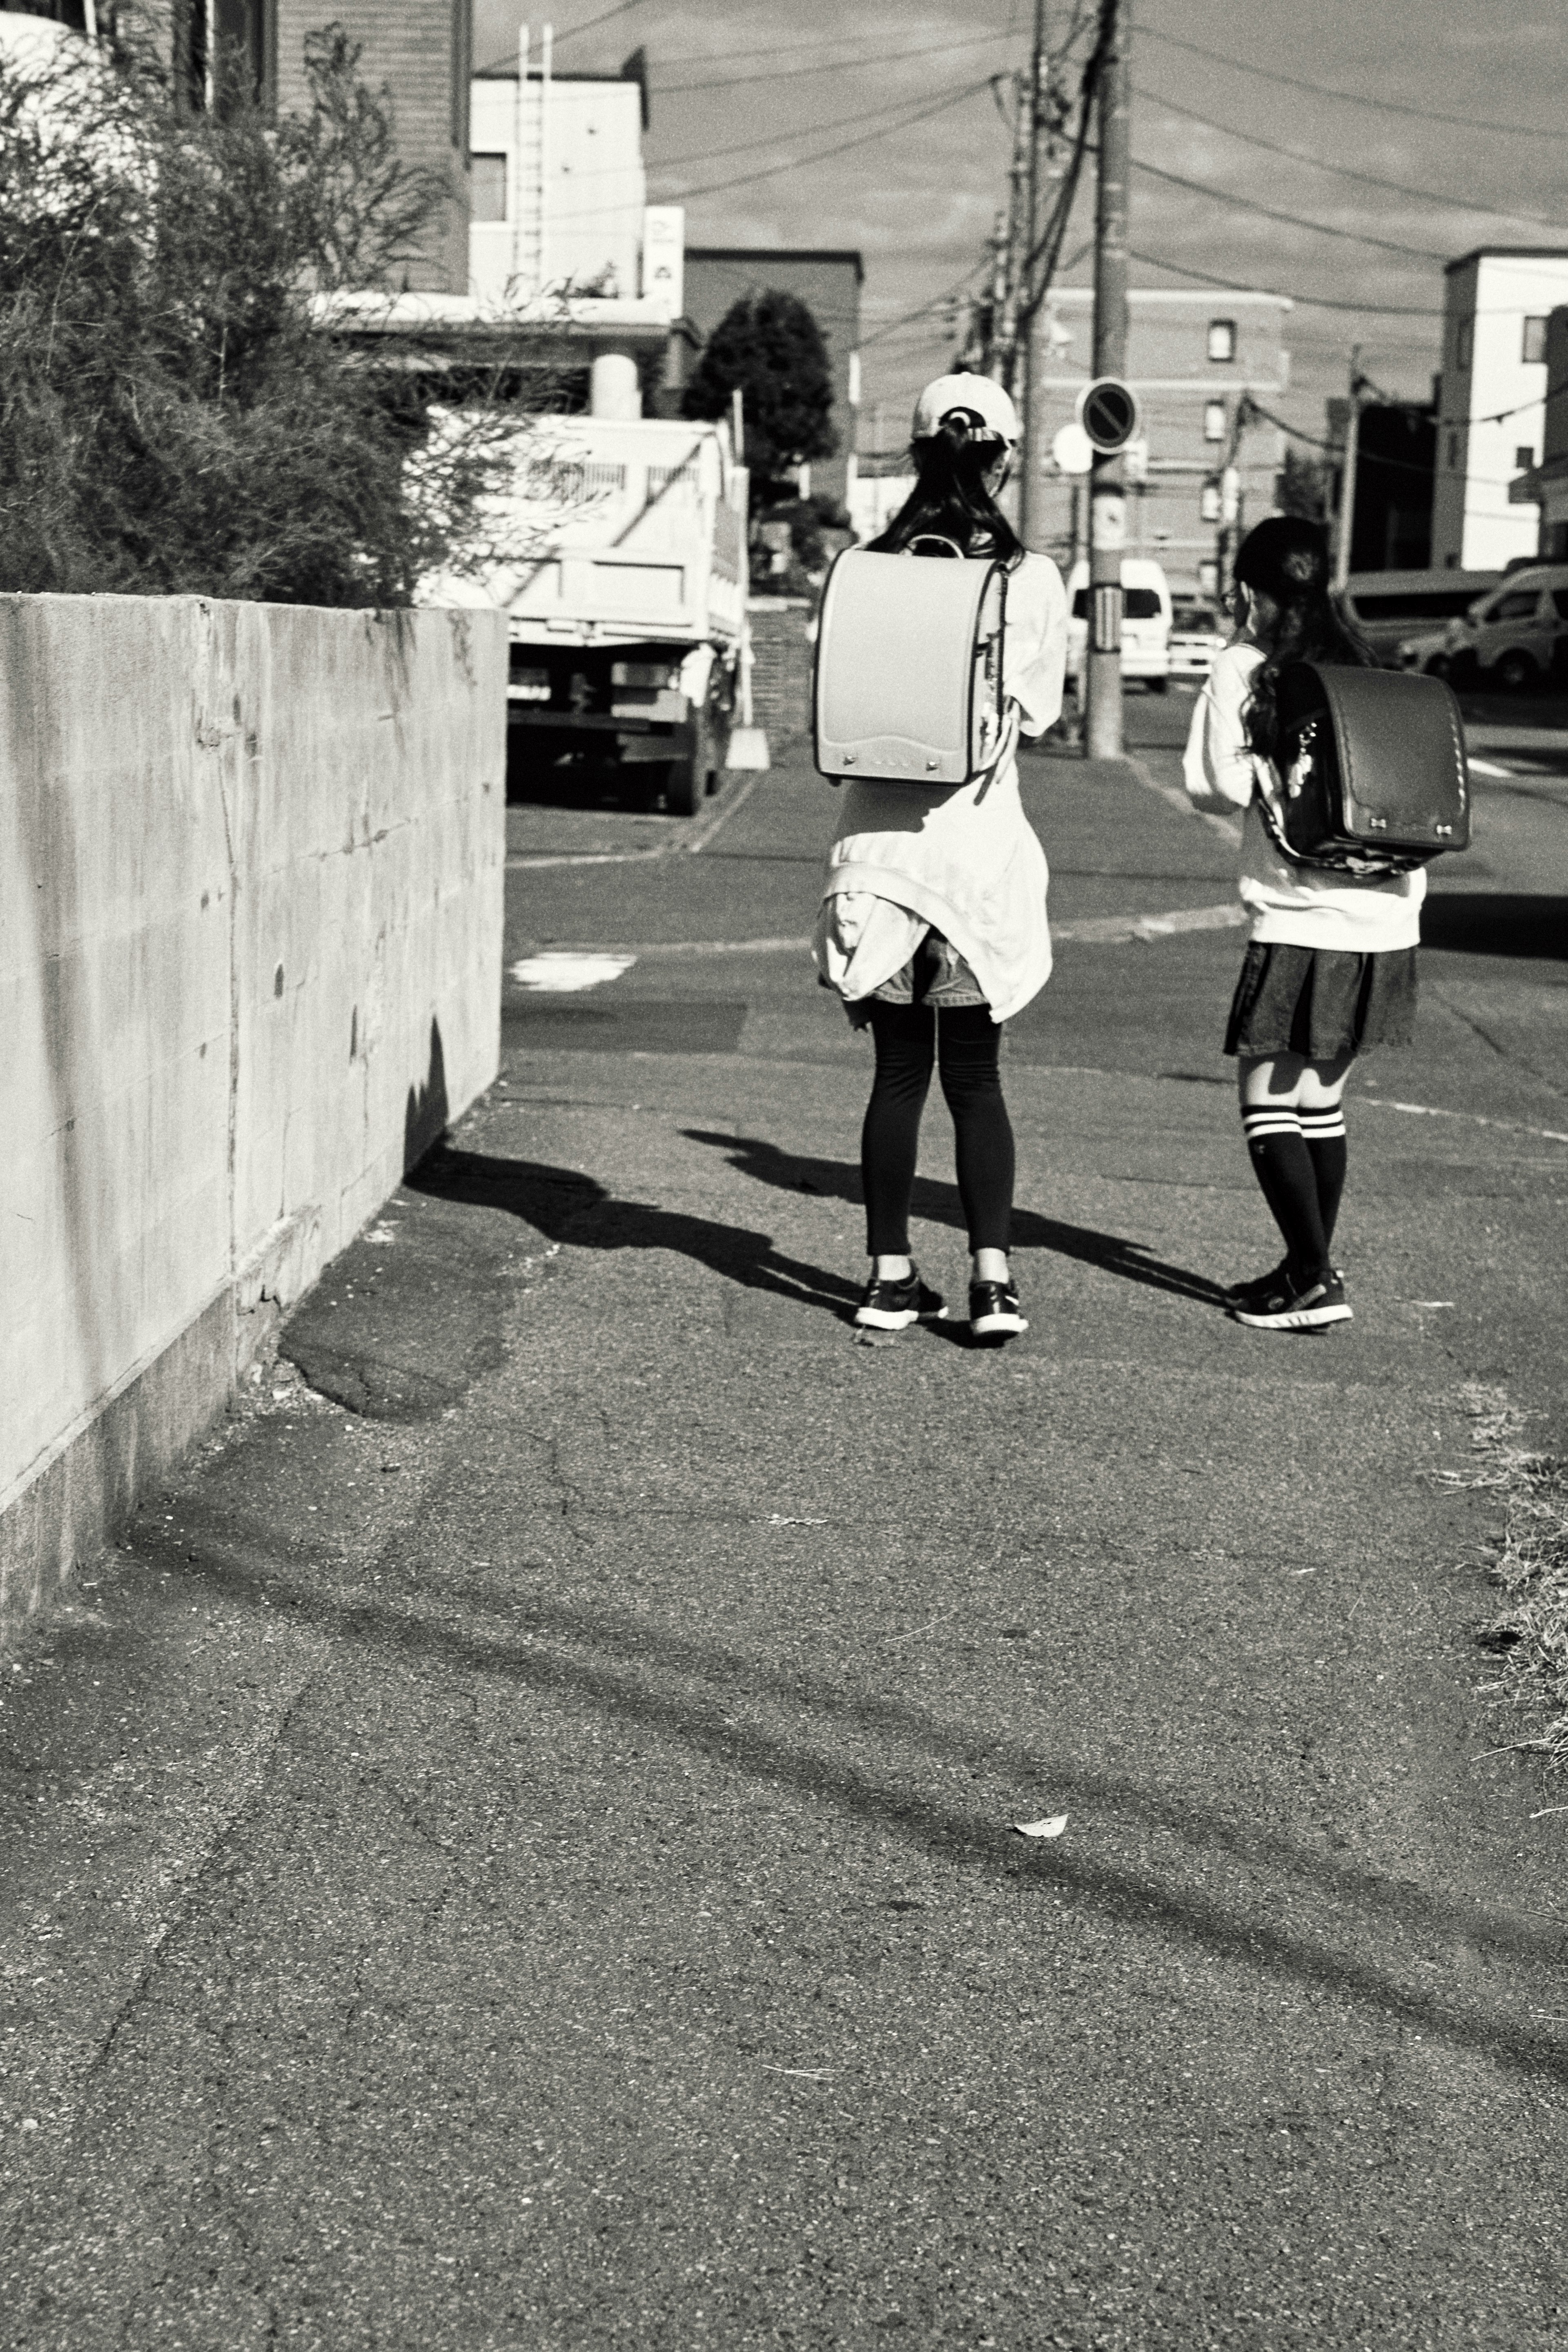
[1490, 434]
[828, 281]
[1545, 486]
[1190, 357]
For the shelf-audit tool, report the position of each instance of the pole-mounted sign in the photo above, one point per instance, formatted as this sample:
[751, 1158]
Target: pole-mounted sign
[1107, 412]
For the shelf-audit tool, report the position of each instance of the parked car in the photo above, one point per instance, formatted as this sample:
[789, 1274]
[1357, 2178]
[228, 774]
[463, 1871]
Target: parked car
[1196, 636]
[1389, 606]
[1145, 622]
[1513, 637]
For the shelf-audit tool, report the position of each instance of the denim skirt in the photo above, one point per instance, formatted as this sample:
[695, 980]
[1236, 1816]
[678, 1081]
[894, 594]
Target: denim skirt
[1321, 1001]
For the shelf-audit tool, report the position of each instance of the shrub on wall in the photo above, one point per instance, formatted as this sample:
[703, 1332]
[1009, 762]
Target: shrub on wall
[170, 421]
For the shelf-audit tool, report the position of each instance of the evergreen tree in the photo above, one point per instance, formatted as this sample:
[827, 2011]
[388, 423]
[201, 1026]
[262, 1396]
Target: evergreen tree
[769, 348]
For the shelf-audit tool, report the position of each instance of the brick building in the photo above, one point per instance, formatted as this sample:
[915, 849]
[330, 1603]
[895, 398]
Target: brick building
[828, 282]
[1190, 356]
[421, 50]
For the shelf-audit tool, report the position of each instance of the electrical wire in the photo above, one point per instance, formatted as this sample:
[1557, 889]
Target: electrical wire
[1309, 301]
[1343, 170]
[797, 162]
[948, 295]
[831, 65]
[509, 56]
[1291, 220]
[1350, 97]
[1368, 456]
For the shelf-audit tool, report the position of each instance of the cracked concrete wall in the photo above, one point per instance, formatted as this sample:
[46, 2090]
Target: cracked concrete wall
[251, 873]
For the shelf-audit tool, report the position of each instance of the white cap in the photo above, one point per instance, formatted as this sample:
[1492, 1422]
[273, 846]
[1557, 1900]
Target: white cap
[976, 397]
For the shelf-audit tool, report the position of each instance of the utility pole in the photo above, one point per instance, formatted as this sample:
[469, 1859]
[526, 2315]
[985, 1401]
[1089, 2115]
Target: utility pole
[1031, 487]
[1348, 472]
[1106, 491]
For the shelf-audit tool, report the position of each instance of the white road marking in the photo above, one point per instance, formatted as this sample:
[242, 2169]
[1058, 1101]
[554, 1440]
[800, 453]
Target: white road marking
[1485, 768]
[1470, 1118]
[564, 970]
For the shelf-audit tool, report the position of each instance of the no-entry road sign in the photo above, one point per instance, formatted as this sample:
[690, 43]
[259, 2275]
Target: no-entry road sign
[1107, 412]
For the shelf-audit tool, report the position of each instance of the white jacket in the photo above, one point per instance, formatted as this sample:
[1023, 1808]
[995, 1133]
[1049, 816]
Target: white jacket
[967, 863]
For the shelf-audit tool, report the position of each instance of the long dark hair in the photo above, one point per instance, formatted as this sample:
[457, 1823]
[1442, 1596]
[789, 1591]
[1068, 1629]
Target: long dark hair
[950, 499]
[1285, 558]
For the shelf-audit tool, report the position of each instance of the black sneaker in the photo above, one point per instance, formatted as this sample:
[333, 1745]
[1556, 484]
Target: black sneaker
[1295, 1303]
[894, 1306]
[1237, 1293]
[994, 1311]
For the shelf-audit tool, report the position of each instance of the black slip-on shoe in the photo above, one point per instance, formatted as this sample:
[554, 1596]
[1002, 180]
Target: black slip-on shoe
[894, 1306]
[994, 1311]
[1296, 1303]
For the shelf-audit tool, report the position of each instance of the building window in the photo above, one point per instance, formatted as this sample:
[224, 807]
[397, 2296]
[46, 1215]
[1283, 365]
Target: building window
[1208, 502]
[1453, 452]
[1214, 420]
[221, 40]
[1524, 457]
[1222, 338]
[462, 71]
[1464, 342]
[1533, 350]
[487, 200]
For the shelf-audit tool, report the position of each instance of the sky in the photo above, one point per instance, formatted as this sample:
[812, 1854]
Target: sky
[1460, 106]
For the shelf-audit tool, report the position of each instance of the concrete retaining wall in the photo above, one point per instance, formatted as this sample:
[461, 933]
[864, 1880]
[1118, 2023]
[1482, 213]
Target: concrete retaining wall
[251, 872]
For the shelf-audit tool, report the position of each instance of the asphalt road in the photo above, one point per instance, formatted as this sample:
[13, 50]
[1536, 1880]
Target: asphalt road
[516, 1851]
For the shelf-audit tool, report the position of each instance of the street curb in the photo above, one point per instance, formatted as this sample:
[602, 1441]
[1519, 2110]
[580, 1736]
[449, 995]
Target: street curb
[689, 844]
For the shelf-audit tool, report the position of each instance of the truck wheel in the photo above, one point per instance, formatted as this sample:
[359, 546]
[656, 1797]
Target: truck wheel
[695, 777]
[1516, 671]
[1158, 685]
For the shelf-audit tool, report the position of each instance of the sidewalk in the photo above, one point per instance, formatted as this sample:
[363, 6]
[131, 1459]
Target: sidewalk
[517, 1850]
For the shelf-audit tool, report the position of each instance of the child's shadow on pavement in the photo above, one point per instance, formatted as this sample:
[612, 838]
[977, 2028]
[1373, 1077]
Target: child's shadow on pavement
[789, 1172]
[567, 1206]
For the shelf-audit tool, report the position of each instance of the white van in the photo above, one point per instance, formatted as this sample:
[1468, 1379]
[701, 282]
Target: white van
[1145, 622]
[1515, 636]
[1389, 607]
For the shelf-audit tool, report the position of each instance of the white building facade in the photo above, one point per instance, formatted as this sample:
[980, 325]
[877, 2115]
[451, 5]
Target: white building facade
[1490, 433]
[559, 196]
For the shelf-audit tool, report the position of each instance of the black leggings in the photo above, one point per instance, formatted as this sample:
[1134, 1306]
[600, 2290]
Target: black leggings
[964, 1043]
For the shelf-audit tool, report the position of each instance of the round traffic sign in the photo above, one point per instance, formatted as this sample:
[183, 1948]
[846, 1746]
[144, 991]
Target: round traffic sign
[1072, 450]
[1107, 412]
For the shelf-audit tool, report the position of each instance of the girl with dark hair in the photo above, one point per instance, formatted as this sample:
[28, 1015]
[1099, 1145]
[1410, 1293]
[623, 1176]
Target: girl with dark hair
[932, 926]
[1329, 970]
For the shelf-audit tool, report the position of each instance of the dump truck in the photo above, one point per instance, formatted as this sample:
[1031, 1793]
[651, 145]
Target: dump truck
[618, 553]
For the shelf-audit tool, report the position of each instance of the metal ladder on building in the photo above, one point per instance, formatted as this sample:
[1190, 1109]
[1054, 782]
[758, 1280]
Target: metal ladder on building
[529, 168]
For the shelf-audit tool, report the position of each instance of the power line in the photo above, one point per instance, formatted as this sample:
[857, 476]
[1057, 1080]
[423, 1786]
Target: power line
[1343, 170]
[1309, 301]
[1349, 97]
[1291, 220]
[1369, 458]
[831, 65]
[794, 163]
[935, 303]
[509, 56]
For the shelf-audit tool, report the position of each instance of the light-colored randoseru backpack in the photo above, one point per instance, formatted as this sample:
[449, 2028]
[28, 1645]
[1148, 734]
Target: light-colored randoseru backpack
[909, 668]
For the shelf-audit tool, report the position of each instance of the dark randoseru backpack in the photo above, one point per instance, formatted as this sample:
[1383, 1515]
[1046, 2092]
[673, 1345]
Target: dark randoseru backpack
[909, 667]
[1372, 763]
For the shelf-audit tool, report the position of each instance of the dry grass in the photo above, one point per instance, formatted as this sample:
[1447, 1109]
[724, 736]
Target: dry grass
[1529, 1563]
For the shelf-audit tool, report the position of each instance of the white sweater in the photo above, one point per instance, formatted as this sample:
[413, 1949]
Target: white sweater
[1296, 905]
[968, 862]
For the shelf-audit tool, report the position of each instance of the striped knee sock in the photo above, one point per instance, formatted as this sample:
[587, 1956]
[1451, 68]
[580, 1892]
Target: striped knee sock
[1324, 1133]
[1283, 1167]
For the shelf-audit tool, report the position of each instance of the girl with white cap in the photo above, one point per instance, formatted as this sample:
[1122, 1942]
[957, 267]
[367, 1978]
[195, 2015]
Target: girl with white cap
[933, 927]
